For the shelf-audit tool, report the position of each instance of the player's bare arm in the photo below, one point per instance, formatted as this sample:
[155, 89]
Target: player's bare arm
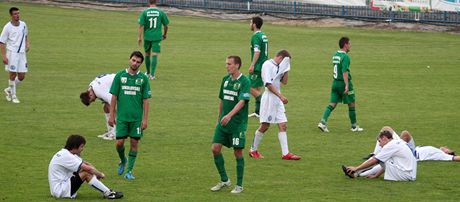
[139, 35]
[3, 48]
[112, 111]
[345, 79]
[27, 44]
[365, 164]
[284, 79]
[230, 114]
[91, 169]
[272, 89]
[146, 114]
[165, 31]
[220, 111]
[254, 60]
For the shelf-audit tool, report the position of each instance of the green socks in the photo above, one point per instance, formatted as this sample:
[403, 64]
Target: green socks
[220, 165]
[352, 115]
[239, 171]
[131, 159]
[147, 64]
[258, 104]
[327, 113]
[121, 154]
[153, 65]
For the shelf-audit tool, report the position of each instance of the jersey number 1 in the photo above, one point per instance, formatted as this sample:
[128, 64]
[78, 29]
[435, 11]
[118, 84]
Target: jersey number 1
[153, 23]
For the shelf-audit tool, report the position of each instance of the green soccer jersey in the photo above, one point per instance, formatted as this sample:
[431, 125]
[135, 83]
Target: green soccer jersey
[259, 42]
[231, 92]
[153, 20]
[131, 90]
[341, 62]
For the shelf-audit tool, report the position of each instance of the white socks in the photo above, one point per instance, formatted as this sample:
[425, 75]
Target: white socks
[109, 128]
[257, 139]
[98, 185]
[12, 85]
[374, 170]
[282, 136]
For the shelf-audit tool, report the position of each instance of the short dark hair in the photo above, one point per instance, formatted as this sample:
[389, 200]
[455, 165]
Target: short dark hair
[74, 141]
[283, 53]
[12, 9]
[84, 97]
[153, 1]
[344, 40]
[137, 54]
[386, 133]
[257, 21]
[236, 60]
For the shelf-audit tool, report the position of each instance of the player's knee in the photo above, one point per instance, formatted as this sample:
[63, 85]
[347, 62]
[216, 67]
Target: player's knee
[215, 149]
[283, 127]
[21, 77]
[405, 135]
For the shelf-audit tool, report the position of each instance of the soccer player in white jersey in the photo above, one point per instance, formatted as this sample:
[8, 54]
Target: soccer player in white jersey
[274, 72]
[67, 171]
[99, 88]
[395, 157]
[14, 43]
[430, 153]
[404, 134]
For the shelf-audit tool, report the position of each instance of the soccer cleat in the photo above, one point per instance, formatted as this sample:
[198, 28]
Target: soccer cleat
[291, 156]
[114, 195]
[323, 127]
[255, 154]
[237, 190]
[129, 175]
[7, 94]
[15, 99]
[356, 129]
[109, 136]
[221, 185]
[254, 115]
[121, 167]
[347, 173]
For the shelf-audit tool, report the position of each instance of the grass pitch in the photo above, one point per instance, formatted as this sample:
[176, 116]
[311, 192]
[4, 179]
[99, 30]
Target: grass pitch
[408, 80]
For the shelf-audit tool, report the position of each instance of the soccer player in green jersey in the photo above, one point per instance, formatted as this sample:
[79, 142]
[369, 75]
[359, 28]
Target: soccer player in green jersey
[259, 54]
[151, 20]
[232, 123]
[130, 95]
[342, 87]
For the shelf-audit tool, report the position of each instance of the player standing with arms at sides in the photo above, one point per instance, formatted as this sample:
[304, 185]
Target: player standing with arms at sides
[259, 53]
[342, 87]
[151, 20]
[67, 171]
[14, 43]
[130, 104]
[272, 111]
[99, 88]
[232, 123]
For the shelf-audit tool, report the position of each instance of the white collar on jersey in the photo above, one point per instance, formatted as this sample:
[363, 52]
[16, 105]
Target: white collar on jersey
[136, 72]
[341, 51]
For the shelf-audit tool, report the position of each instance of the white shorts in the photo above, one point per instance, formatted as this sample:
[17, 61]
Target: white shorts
[394, 173]
[429, 153]
[17, 62]
[272, 109]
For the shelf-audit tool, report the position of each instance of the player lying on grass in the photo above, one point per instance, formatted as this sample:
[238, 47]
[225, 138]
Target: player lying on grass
[395, 157]
[99, 88]
[67, 171]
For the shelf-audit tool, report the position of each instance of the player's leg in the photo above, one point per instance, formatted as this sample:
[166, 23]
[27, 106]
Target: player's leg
[154, 57]
[92, 181]
[238, 142]
[147, 50]
[220, 138]
[282, 137]
[110, 134]
[135, 133]
[322, 125]
[11, 89]
[256, 91]
[258, 136]
[350, 100]
[121, 135]
[394, 173]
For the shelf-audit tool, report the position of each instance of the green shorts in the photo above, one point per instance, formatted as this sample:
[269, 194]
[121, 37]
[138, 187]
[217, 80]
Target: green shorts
[256, 79]
[126, 129]
[152, 46]
[236, 140]
[337, 96]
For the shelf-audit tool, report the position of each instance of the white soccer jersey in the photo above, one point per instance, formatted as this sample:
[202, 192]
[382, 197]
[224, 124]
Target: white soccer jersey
[15, 37]
[429, 153]
[61, 169]
[271, 107]
[101, 87]
[400, 163]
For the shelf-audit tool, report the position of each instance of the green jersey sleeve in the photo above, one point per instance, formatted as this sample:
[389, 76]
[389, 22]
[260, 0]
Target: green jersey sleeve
[345, 63]
[115, 88]
[221, 93]
[256, 43]
[146, 92]
[244, 91]
[141, 20]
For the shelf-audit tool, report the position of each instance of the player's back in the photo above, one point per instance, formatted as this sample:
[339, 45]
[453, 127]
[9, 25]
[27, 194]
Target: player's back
[341, 64]
[153, 20]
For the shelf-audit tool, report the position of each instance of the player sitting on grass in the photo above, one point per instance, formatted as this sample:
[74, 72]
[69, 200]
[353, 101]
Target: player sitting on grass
[67, 171]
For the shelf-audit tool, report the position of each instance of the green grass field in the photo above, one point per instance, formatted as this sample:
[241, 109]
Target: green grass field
[69, 47]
